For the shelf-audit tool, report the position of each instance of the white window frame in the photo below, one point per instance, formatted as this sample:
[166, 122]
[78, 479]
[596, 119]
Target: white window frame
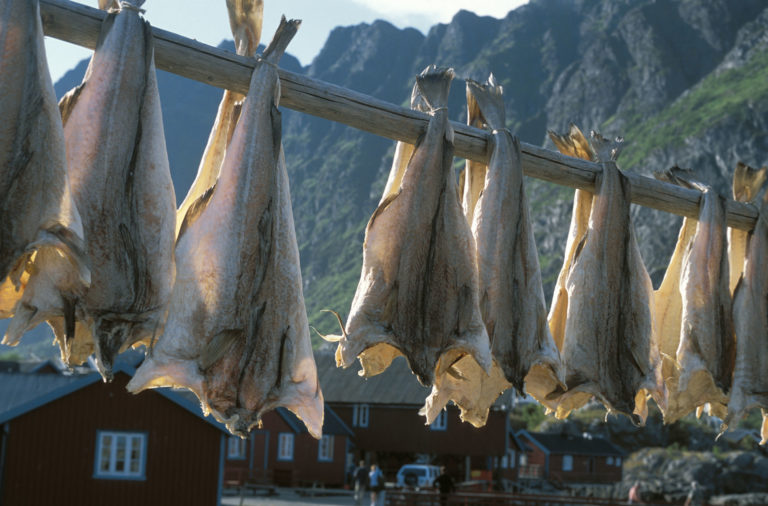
[236, 448]
[360, 415]
[609, 461]
[523, 459]
[110, 465]
[285, 446]
[441, 422]
[567, 462]
[325, 448]
[617, 461]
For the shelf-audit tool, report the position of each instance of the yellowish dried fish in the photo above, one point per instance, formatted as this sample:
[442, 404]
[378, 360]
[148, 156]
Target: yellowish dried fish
[750, 318]
[121, 181]
[747, 182]
[608, 347]
[237, 332]
[417, 294]
[245, 19]
[511, 295]
[43, 269]
[704, 356]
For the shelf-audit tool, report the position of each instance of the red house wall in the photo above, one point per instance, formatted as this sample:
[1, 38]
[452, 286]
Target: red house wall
[51, 451]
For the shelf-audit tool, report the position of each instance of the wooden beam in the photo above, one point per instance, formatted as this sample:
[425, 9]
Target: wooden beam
[80, 24]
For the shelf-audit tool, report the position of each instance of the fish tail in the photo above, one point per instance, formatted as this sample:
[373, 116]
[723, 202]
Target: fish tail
[747, 182]
[432, 88]
[245, 20]
[283, 36]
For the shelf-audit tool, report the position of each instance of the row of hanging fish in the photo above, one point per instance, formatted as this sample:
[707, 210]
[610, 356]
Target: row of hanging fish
[427, 274]
[92, 244]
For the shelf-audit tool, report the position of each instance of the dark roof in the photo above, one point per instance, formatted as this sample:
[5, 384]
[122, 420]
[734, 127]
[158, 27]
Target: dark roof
[21, 393]
[567, 444]
[395, 386]
[332, 424]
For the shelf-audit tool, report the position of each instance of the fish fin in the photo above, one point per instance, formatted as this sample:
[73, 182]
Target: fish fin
[573, 143]
[217, 347]
[69, 100]
[332, 338]
[747, 182]
[381, 208]
[195, 210]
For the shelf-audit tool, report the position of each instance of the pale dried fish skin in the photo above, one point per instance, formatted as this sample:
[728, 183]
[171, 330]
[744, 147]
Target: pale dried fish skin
[237, 332]
[510, 288]
[43, 268]
[747, 182]
[121, 181]
[609, 349]
[417, 294]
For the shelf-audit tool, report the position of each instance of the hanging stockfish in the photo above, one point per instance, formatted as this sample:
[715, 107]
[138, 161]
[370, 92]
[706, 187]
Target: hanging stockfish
[43, 269]
[417, 294]
[608, 347]
[237, 332]
[747, 182]
[511, 295]
[121, 181]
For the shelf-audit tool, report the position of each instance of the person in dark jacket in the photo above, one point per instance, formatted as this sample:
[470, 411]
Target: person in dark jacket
[444, 484]
[360, 479]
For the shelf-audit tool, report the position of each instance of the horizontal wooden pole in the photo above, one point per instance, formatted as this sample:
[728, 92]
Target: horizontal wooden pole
[80, 24]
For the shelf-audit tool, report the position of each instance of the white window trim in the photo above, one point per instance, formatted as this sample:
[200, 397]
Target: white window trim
[617, 461]
[112, 473]
[360, 415]
[285, 442]
[236, 448]
[609, 461]
[441, 422]
[567, 462]
[325, 448]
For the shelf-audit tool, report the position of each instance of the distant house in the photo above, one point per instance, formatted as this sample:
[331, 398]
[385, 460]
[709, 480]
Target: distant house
[283, 453]
[567, 458]
[72, 439]
[382, 411]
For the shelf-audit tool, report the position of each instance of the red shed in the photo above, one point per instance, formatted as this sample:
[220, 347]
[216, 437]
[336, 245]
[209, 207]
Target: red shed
[72, 439]
[383, 412]
[568, 458]
[283, 453]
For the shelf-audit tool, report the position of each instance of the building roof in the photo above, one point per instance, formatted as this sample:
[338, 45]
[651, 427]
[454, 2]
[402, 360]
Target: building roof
[559, 443]
[21, 393]
[395, 386]
[332, 424]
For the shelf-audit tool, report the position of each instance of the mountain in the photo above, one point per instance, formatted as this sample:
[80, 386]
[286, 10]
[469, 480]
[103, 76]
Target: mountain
[683, 81]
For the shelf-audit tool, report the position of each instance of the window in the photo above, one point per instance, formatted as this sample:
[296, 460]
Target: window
[609, 461]
[236, 448]
[360, 415]
[617, 462]
[285, 446]
[523, 459]
[325, 449]
[120, 455]
[567, 462]
[441, 422]
[511, 458]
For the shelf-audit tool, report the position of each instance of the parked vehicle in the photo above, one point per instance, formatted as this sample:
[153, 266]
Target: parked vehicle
[417, 476]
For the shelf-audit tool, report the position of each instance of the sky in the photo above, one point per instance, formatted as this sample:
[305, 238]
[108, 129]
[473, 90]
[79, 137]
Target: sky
[207, 21]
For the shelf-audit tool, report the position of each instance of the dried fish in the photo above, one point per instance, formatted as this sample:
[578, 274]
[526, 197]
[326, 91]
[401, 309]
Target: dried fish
[747, 182]
[511, 295]
[608, 346]
[43, 269]
[121, 181]
[699, 370]
[245, 19]
[750, 318]
[417, 294]
[237, 332]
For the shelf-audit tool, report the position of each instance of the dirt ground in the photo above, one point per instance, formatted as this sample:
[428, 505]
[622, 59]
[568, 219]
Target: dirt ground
[293, 497]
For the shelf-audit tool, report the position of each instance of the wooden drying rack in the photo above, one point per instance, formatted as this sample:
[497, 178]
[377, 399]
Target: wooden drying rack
[80, 25]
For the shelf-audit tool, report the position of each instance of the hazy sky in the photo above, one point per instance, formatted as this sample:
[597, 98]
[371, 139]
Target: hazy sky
[206, 21]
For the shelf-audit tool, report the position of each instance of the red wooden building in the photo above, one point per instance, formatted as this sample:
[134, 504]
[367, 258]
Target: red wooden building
[382, 411]
[72, 439]
[283, 453]
[567, 458]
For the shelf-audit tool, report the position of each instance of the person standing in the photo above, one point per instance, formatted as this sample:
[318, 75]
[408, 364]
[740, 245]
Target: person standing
[360, 479]
[375, 483]
[444, 484]
[634, 494]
